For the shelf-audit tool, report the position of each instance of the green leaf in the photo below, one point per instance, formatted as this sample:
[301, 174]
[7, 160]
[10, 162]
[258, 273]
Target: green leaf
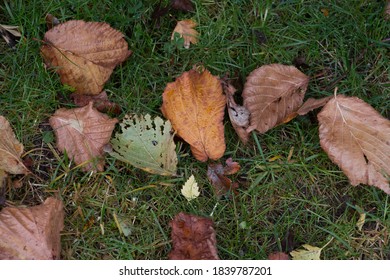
[147, 144]
[190, 189]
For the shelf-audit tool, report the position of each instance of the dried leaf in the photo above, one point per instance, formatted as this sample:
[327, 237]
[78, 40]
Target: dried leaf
[278, 256]
[10, 150]
[147, 144]
[195, 105]
[100, 102]
[361, 221]
[32, 233]
[217, 176]
[356, 138]
[309, 253]
[10, 34]
[271, 93]
[190, 189]
[239, 115]
[312, 104]
[193, 238]
[186, 30]
[51, 21]
[387, 10]
[82, 133]
[84, 53]
[182, 5]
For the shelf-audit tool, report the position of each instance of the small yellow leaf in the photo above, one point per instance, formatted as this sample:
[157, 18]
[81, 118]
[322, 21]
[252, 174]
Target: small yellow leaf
[190, 189]
[361, 221]
[309, 253]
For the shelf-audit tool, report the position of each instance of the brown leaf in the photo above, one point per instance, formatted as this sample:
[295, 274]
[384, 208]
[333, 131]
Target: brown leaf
[32, 233]
[51, 21]
[195, 106]
[309, 105]
[271, 93]
[84, 53]
[82, 133]
[186, 30]
[100, 102]
[278, 256]
[10, 150]
[357, 139]
[239, 115]
[193, 238]
[217, 176]
[387, 10]
[182, 5]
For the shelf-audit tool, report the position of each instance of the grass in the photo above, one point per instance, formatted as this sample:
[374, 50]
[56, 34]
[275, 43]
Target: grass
[296, 198]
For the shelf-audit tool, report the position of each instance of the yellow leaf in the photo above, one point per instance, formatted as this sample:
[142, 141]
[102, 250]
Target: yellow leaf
[190, 189]
[309, 253]
[361, 221]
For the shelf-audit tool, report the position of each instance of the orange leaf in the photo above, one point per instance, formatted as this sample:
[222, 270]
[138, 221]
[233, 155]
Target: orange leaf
[193, 238]
[32, 233]
[84, 53]
[357, 139]
[271, 93]
[186, 30]
[82, 133]
[195, 106]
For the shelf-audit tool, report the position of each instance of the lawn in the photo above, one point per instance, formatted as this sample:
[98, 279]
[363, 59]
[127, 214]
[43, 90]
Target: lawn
[289, 194]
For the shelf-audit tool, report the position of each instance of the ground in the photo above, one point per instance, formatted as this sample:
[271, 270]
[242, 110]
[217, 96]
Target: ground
[289, 192]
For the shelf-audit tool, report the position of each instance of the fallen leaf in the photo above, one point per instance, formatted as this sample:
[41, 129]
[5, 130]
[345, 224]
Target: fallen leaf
[271, 93]
[325, 12]
[10, 150]
[147, 144]
[278, 256]
[387, 10]
[123, 224]
[309, 105]
[361, 221]
[100, 102]
[186, 29]
[190, 189]
[195, 106]
[183, 5]
[10, 34]
[82, 133]
[84, 53]
[32, 233]
[239, 115]
[3, 187]
[51, 21]
[356, 138]
[217, 176]
[309, 252]
[193, 238]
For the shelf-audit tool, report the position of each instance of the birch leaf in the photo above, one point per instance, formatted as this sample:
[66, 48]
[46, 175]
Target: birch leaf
[147, 144]
[190, 189]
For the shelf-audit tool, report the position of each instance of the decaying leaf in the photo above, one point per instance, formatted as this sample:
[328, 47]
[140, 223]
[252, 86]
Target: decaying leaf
[193, 238]
[84, 53]
[10, 150]
[361, 221]
[356, 138]
[147, 144]
[51, 21]
[271, 93]
[32, 233]
[10, 34]
[190, 189]
[309, 252]
[186, 29]
[82, 133]
[195, 105]
[183, 5]
[239, 115]
[217, 176]
[100, 102]
[278, 256]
